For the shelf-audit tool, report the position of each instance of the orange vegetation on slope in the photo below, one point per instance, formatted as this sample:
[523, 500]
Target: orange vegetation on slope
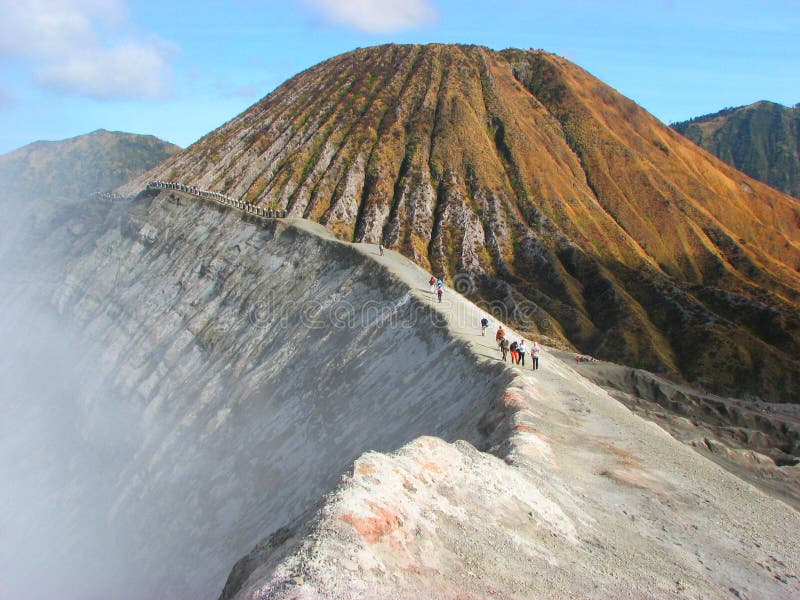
[569, 207]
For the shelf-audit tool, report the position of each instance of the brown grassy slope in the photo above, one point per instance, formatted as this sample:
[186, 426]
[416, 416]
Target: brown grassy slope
[553, 192]
[646, 178]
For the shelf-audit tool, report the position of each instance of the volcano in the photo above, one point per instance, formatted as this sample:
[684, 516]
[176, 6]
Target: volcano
[538, 191]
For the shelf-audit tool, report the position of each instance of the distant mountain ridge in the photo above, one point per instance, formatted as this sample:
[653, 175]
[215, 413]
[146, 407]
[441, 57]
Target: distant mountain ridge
[95, 162]
[529, 184]
[761, 139]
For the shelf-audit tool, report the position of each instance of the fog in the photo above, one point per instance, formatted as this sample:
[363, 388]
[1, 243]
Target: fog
[59, 448]
[166, 402]
[56, 464]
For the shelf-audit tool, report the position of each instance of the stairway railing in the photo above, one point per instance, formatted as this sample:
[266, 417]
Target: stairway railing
[266, 213]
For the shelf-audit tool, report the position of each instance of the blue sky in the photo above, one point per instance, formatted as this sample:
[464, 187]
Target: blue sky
[180, 69]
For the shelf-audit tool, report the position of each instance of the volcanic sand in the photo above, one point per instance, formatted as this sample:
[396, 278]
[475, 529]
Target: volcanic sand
[575, 496]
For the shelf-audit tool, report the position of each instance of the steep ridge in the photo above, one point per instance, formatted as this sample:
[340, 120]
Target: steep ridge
[576, 497]
[537, 189]
[761, 139]
[213, 375]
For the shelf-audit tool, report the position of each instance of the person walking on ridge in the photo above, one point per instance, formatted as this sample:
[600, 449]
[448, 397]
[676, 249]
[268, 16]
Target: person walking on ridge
[504, 348]
[380, 249]
[439, 294]
[521, 350]
[514, 353]
[484, 325]
[535, 349]
[432, 283]
[501, 334]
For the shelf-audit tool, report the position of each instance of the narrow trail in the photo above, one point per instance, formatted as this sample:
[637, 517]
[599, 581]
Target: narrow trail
[611, 500]
[462, 316]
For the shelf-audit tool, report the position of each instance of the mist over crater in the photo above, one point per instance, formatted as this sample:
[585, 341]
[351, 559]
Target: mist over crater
[179, 381]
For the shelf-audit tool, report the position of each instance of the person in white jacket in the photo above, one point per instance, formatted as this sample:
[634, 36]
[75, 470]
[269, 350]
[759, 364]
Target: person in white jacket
[535, 349]
[522, 350]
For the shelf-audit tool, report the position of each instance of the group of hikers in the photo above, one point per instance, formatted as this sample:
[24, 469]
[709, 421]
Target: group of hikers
[517, 350]
[437, 286]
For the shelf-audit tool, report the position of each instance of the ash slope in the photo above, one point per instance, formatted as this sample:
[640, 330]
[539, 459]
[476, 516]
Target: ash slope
[577, 497]
[225, 375]
[548, 188]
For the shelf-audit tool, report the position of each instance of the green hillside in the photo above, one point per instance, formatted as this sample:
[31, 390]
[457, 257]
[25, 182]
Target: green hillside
[762, 139]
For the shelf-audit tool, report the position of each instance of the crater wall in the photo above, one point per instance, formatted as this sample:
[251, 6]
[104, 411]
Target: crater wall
[225, 373]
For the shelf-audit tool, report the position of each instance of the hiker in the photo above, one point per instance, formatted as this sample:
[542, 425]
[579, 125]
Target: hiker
[484, 325]
[380, 249]
[522, 349]
[514, 353]
[432, 283]
[503, 347]
[439, 294]
[535, 349]
[501, 334]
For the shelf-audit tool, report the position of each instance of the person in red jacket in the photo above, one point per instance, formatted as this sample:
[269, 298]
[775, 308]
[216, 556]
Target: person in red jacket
[514, 354]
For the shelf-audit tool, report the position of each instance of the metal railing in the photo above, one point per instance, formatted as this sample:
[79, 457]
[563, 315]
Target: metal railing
[222, 199]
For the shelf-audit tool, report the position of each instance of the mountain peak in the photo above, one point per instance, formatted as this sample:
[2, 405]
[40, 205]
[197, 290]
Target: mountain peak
[72, 168]
[762, 139]
[534, 185]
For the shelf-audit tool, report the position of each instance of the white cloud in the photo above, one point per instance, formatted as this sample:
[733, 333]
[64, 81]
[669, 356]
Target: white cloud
[126, 71]
[377, 16]
[64, 44]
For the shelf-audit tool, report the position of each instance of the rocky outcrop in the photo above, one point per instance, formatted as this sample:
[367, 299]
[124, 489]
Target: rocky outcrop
[556, 197]
[587, 499]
